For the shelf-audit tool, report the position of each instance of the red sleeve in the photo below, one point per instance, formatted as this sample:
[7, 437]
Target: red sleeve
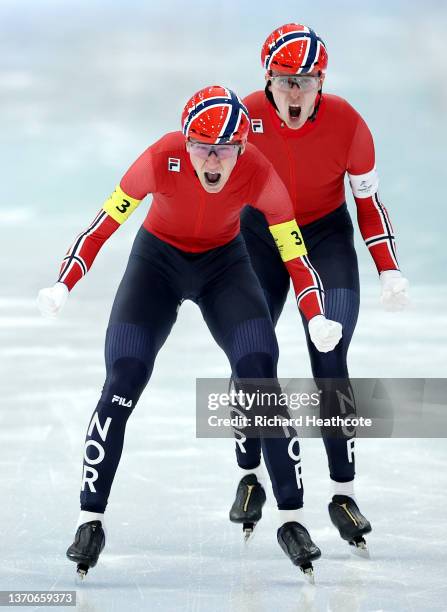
[361, 156]
[274, 201]
[84, 249]
[308, 287]
[373, 219]
[137, 182]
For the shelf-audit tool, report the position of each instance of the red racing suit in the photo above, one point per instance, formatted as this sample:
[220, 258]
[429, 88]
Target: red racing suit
[313, 160]
[184, 215]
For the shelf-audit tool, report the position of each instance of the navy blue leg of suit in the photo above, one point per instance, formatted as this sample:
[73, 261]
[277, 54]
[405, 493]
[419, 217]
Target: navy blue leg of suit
[158, 277]
[251, 347]
[330, 246]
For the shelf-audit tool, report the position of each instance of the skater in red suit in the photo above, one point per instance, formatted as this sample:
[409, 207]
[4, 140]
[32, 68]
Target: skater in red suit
[189, 247]
[313, 140]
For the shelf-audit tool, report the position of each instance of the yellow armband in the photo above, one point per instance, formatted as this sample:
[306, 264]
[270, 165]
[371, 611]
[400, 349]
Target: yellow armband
[120, 206]
[288, 239]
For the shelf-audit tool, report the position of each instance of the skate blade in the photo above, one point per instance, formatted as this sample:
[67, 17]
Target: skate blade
[249, 536]
[81, 573]
[360, 549]
[248, 530]
[308, 574]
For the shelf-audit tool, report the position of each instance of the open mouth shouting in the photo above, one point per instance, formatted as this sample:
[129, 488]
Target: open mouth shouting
[212, 178]
[294, 112]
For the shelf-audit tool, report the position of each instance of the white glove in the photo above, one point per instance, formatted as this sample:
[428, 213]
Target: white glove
[395, 287]
[51, 300]
[324, 333]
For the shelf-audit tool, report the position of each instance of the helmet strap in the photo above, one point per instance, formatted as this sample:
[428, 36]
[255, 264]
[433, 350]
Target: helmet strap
[313, 116]
[269, 95]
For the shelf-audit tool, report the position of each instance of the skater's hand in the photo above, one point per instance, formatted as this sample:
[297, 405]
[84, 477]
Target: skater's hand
[395, 295]
[324, 333]
[51, 300]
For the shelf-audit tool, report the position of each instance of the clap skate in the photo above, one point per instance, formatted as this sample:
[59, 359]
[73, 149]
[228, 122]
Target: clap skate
[247, 507]
[87, 546]
[296, 542]
[350, 522]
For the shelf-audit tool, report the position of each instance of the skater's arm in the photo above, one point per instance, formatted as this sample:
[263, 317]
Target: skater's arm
[274, 201]
[373, 218]
[138, 181]
[85, 247]
[76, 263]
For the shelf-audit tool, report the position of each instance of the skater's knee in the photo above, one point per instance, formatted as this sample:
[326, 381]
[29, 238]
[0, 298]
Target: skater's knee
[126, 379]
[130, 355]
[255, 365]
[131, 341]
[342, 305]
[330, 365]
[253, 349]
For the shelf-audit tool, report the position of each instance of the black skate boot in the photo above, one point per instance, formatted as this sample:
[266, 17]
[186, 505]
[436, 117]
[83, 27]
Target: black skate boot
[247, 507]
[296, 542]
[87, 546]
[350, 522]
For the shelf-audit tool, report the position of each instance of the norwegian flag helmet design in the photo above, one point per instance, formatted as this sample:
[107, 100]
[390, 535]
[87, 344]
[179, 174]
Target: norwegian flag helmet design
[294, 49]
[215, 115]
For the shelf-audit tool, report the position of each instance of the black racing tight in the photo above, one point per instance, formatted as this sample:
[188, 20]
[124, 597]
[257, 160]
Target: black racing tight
[157, 279]
[329, 242]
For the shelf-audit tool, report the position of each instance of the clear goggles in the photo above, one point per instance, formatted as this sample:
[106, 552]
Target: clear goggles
[305, 82]
[222, 151]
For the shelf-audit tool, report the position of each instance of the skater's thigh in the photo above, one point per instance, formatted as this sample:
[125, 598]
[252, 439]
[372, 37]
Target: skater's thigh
[336, 262]
[145, 299]
[236, 312]
[266, 261]
[330, 246]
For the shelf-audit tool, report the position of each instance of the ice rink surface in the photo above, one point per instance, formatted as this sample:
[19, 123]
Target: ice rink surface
[170, 544]
[86, 86]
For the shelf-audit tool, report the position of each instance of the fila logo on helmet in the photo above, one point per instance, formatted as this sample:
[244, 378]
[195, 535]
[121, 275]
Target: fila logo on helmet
[122, 401]
[257, 126]
[174, 164]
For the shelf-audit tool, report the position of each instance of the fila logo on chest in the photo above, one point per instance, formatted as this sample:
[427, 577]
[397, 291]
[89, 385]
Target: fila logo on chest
[174, 164]
[257, 126]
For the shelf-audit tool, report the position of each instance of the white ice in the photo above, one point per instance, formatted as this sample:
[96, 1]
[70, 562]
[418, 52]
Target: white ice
[170, 544]
[85, 88]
